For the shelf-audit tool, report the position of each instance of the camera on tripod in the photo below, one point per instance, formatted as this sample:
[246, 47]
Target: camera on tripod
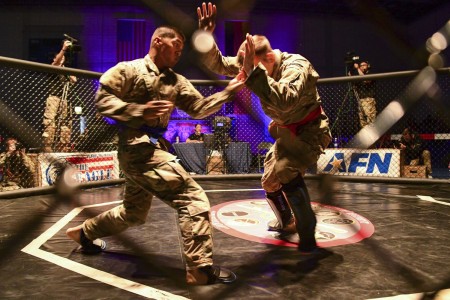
[350, 59]
[74, 46]
[222, 126]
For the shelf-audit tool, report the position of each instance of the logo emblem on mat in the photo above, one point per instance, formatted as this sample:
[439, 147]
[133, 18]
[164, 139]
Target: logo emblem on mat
[247, 219]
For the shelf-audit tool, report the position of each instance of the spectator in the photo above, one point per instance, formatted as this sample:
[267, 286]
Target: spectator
[414, 152]
[364, 92]
[57, 115]
[17, 167]
[198, 136]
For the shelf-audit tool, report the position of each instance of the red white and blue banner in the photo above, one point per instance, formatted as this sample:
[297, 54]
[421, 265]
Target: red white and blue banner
[87, 166]
[359, 162]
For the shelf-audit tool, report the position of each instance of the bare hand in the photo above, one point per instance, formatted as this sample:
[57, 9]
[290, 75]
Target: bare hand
[157, 108]
[249, 56]
[207, 17]
[237, 83]
[66, 45]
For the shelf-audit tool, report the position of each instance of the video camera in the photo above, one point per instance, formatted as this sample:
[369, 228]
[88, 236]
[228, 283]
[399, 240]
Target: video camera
[351, 58]
[221, 125]
[75, 46]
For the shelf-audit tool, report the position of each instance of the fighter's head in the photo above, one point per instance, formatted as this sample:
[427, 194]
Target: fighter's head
[166, 46]
[264, 53]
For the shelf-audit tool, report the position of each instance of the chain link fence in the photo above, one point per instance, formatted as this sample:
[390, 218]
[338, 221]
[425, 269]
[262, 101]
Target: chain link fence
[53, 126]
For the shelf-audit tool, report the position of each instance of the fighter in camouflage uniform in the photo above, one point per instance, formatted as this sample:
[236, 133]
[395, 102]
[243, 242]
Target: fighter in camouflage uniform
[140, 96]
[286, 86]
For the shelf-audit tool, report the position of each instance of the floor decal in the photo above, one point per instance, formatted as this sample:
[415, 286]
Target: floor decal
[247, 219]
[33, 248]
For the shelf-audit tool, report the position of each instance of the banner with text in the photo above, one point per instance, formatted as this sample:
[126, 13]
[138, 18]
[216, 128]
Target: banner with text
[87, 166]
[360, 162]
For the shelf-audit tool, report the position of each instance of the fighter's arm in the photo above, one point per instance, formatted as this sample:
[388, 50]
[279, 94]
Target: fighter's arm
[115, 84]
[288, 90]
[283, 93]
[193, 103]
[213, 59]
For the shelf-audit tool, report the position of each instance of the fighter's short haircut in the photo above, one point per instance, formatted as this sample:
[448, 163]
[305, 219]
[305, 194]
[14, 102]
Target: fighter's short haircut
[262, 46]
[167, 31]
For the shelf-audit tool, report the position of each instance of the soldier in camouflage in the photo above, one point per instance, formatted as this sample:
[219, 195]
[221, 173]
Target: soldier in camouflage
[364, 92]
[58, 113]
[18, 170]
[140, 96]
[286, 86]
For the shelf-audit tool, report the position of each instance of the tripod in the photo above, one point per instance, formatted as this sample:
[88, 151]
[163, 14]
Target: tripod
[63, 118]
[218, 163]
[345, 109]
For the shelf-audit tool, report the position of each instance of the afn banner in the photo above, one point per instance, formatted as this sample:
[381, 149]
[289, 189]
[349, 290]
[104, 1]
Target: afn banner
[358, 162]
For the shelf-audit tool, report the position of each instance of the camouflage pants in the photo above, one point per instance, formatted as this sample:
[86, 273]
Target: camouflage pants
[150, 171]
[367, 111]
[9, 186]
[292, 154]
[57, 121]
[426, 158]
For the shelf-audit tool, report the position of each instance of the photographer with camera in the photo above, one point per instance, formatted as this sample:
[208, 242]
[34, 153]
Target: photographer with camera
[17, 167]
[58, 113]
[364, 91]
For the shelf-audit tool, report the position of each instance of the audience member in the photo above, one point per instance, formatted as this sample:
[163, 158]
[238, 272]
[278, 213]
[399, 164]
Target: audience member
[414, 152]
[17, 167]
[57, 114]
[198, 136]
[364, 92]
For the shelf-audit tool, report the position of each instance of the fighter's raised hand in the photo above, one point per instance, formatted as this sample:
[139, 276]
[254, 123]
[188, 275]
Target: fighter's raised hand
[249, 56]
[207, 17]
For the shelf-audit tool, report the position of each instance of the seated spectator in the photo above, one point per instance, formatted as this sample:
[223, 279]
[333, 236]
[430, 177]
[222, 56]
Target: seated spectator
[414, 154]
[17, 167]
[197, 136]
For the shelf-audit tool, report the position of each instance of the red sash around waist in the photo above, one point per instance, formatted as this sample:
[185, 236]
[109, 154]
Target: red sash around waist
[310, 117]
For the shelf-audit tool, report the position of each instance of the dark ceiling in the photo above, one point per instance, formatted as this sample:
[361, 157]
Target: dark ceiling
[402, 11]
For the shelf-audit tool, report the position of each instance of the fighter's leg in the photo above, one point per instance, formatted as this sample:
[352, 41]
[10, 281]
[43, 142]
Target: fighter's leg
[283, 221]
[132, 212]
[297, 195]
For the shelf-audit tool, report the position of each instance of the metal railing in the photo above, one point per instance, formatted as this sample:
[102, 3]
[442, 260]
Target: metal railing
[89, 144]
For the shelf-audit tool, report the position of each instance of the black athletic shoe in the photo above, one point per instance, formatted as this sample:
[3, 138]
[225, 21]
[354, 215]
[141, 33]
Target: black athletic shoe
[218, 274]
[91, 247]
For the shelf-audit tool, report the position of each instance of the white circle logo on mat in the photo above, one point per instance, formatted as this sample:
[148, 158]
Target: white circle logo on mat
[247, 219]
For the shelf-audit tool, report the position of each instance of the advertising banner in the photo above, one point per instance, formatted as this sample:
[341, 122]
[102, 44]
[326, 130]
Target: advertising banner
[360, 162]
[87, 166]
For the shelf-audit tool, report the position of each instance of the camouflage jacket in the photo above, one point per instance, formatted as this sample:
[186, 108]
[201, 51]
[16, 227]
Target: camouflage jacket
[286, 97]
[127, 87]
